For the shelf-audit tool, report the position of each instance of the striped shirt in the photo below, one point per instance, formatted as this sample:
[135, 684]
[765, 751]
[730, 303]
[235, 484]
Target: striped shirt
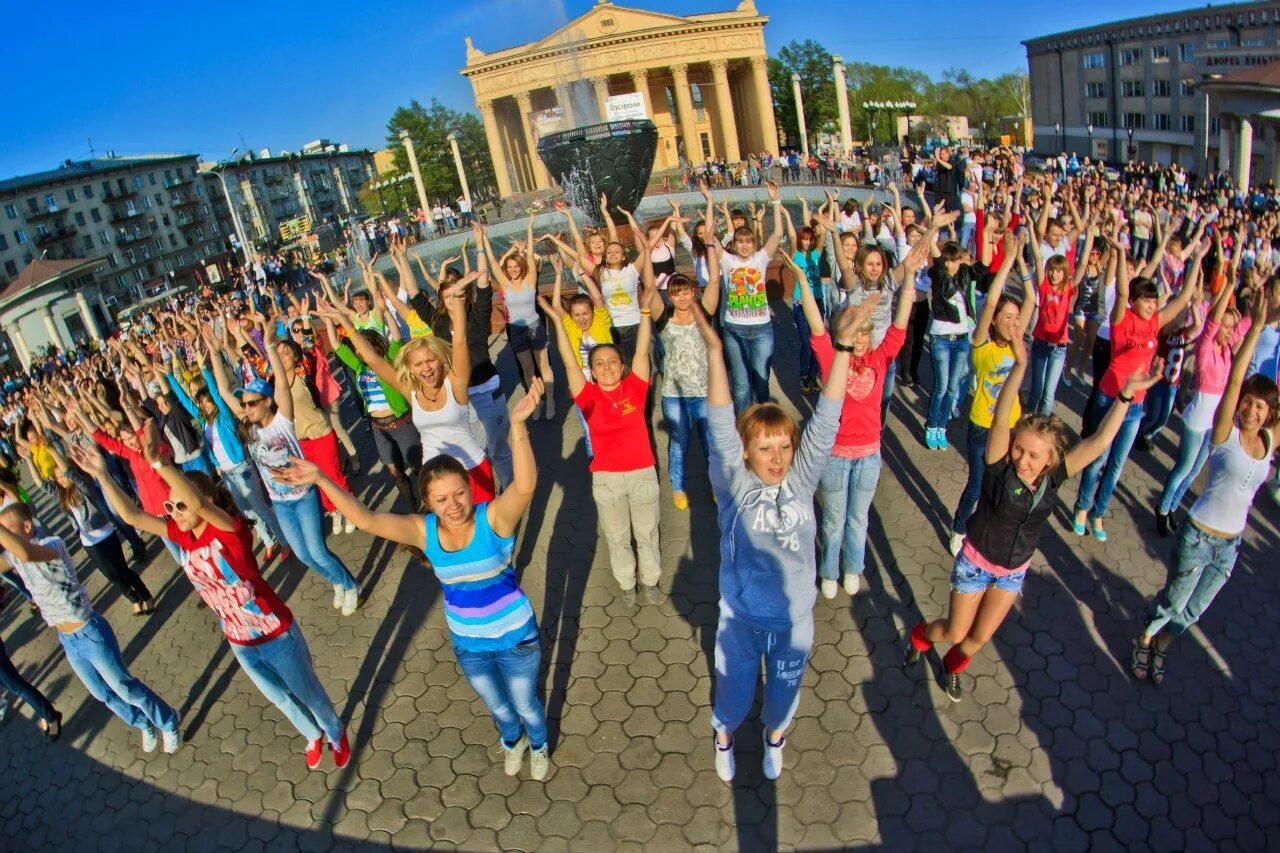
[483, 604]
[375, 399]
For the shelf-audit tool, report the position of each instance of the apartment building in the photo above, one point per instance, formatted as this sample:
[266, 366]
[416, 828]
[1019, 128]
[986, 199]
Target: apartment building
[318, 184]
[154, 220]
[1133, 88]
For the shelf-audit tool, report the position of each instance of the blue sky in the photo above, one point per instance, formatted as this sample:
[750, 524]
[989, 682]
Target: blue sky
[170, 77]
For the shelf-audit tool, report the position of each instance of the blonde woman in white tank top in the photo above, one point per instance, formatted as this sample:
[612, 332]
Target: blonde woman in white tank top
[433, 376]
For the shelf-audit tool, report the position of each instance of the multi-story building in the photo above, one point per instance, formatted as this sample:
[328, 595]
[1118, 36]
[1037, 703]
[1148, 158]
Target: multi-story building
[154, 220]
[1133, 89]
[318, 183]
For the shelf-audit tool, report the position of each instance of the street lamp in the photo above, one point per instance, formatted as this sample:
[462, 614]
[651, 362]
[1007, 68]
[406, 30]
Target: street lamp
[1057, 129]
[1089, 129]
[874, 107]
[235, 217]
[1129, 150]
[984, 134]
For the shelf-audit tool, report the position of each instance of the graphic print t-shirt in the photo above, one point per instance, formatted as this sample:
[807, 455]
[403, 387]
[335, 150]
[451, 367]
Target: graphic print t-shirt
[221, 566]
[272, 447]
[746, 302]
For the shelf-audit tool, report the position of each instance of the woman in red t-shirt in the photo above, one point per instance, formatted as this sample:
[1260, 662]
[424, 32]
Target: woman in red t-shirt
[1051, 334]
[624, 481]
[217, 551]
[1136, 321]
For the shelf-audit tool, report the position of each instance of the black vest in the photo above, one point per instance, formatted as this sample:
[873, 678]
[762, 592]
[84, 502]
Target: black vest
[1006, 525]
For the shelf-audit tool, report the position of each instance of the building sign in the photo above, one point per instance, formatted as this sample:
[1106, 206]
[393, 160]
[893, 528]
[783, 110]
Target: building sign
[291, 229]
[623, 107]
[545, 122]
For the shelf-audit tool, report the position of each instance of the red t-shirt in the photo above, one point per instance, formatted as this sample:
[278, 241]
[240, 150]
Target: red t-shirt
[859, 432]
[153, 491]
[1133, 345]
[997, 248]
[221, 566]
[616, 422]
[1052, 325]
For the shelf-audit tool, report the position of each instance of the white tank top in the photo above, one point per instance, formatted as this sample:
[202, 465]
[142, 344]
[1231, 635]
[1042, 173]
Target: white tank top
[447, 430]
[1234, 478]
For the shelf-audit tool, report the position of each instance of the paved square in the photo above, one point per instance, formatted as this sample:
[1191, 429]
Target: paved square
[1054, 746]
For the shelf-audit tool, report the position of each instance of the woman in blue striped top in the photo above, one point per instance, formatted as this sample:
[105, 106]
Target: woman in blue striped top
[495, 635]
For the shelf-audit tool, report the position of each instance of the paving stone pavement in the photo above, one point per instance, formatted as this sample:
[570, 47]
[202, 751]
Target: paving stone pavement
[1053, 747]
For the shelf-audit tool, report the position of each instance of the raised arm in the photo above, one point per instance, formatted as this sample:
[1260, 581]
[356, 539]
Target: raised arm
[568, 358]
[1224, 417]
[90, 459]
[1089, 449]
[283, 396]
[1122, 286]
[775, 239]
[609, 225]
[982, 331]
[998, 437]
[506, 510]
[812, 313]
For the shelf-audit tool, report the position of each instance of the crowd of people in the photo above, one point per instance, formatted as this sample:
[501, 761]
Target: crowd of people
[220, 423]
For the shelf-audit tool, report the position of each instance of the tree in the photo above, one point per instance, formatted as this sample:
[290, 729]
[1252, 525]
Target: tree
[817, 88]
[429, 128]
[867, 82]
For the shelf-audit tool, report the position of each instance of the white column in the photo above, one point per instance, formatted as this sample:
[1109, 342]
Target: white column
[601, 85]
[1224, 142]
[686, 118]
[764, 103]
[87, 315]
[413, 167]
[842, 101]
[724, 110]
[565, 102]
[1244, 152]
[344, 193]
[540, 179]
[640, 79]
[804, 133]
[301, 189]
[457, 162]
[493, 137]
[55, 337]
[20, 344]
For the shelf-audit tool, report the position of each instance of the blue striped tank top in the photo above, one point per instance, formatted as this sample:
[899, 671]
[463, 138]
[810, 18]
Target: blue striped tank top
[483, 604]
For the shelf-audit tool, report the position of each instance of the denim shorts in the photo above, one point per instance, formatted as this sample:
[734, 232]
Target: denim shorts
[525, 338]
[968, 577]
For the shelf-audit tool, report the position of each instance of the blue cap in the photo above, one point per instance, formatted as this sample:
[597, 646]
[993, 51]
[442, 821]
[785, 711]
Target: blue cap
[261, 387]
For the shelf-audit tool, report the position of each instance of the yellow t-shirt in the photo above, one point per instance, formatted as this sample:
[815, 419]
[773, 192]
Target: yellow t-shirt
[43, 460]
[992, 363]
[600, 332]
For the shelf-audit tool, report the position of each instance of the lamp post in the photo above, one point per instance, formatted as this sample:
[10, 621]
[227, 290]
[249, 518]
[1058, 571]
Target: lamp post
[235, 217]
[1089, 130]
[1057, 129]
[1129, 151]
[984, 134]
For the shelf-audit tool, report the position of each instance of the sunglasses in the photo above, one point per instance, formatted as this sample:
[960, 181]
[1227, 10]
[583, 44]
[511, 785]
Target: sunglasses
[170, 507]
[254, 401]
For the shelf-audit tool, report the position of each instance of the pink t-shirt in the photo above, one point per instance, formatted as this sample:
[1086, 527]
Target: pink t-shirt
[1213, 360]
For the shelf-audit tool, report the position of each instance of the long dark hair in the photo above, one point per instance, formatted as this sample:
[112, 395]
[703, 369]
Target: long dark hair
[215, 493]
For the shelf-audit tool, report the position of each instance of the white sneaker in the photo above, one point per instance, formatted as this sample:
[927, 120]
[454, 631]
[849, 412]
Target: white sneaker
[539, 763]
[829, 588]
[149, 740]
[348, 526]
[350, 600]
[773, 758]
[339, 593]
[337, 524]
[725, 764]
[956, 543]
[172, 741]
[852, 583]
[514, 756]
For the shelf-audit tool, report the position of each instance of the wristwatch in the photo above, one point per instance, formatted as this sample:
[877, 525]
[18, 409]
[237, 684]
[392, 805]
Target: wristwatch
[842, 347]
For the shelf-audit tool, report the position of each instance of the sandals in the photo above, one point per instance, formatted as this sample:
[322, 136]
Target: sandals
[1157, 665]
[1140, 666]
[54, 730]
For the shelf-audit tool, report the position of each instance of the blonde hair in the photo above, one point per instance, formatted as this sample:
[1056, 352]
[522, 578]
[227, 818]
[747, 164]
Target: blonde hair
[436, 348]
[1052, 429]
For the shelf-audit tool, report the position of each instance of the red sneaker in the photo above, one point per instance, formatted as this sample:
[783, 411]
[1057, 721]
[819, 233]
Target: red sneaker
[341, 752]
[315, 750]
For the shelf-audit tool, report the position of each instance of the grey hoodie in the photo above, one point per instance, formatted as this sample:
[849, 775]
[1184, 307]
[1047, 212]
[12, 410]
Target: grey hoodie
[768, 534]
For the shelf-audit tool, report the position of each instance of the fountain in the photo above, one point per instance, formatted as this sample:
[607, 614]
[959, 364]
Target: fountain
[612, 157]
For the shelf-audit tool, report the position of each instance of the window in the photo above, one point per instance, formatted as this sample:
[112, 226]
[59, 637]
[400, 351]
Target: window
[87, 190]
[104, 238]
[11, 211]
[151, 179]
[1095, 90]
[1218, 44]
[138, 182]
[1215, 124]
[165, 219]
[1160, 53]
[50, 203]
[130, 257]
[1188, 124]
[168, 176]
[71, 195]
[173, 240]
[1137, 121]
[10, 267]
[159, 200]
[1132, 88]
[1186, 52]
[95, 215]
[87, 243]
[1130, 56]
[146, 203]
[1253, 43]
[1161, 121]
[4, 242]
[79, 218]
[139, 276]
[1187, 87]
[1095, 59]
[1160, 88]
[20, 236]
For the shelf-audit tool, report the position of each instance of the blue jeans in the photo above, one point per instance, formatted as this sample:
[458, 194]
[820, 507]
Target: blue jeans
[1099, 480]
[846, 490]
[1204, 562]
[302, 523]
[507, 682]
[1192, 454]
[739, 649]
[491, 411]
[15, 581]
[242, 483]
[886, 395]
[684, 415]
[1158, 408]
[95, 658]
[1046, 369]
[200, 463]
[966, 234]
[12, 680]
[586, 433]
[950, 367]
[975, 451]
[750, 352]
[283, 671]
[808, 361]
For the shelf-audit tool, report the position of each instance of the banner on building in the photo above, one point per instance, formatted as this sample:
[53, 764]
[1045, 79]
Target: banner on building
[544, 122]
[623, 107]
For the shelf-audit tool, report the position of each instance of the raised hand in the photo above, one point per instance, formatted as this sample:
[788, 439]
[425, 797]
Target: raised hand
[521, 411]
[299, 472]
[1143, 381]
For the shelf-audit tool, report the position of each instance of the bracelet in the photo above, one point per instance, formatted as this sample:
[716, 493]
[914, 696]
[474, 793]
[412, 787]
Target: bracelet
[157, 465]
[518, 439]
[645, 312]
[1123, 399]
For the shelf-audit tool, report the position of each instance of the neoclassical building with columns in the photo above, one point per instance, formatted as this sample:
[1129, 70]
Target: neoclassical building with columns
[702, 79]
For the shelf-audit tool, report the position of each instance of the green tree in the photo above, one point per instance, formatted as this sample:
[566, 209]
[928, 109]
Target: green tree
[867, 82]
[429, 127]
[817, 89]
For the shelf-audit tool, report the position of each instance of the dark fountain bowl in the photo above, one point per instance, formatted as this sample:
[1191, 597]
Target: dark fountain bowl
[613, 157]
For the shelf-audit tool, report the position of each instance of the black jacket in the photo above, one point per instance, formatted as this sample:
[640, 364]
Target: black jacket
[1006, 525]
[943, 286]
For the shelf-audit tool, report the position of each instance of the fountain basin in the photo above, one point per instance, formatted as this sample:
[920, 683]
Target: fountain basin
[613, 157]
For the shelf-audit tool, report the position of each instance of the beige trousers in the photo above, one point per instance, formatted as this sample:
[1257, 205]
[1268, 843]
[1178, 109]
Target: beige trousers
[627, 503]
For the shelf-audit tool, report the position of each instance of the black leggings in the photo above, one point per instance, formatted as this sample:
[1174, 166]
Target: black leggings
[108, 556]
[909, 358]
